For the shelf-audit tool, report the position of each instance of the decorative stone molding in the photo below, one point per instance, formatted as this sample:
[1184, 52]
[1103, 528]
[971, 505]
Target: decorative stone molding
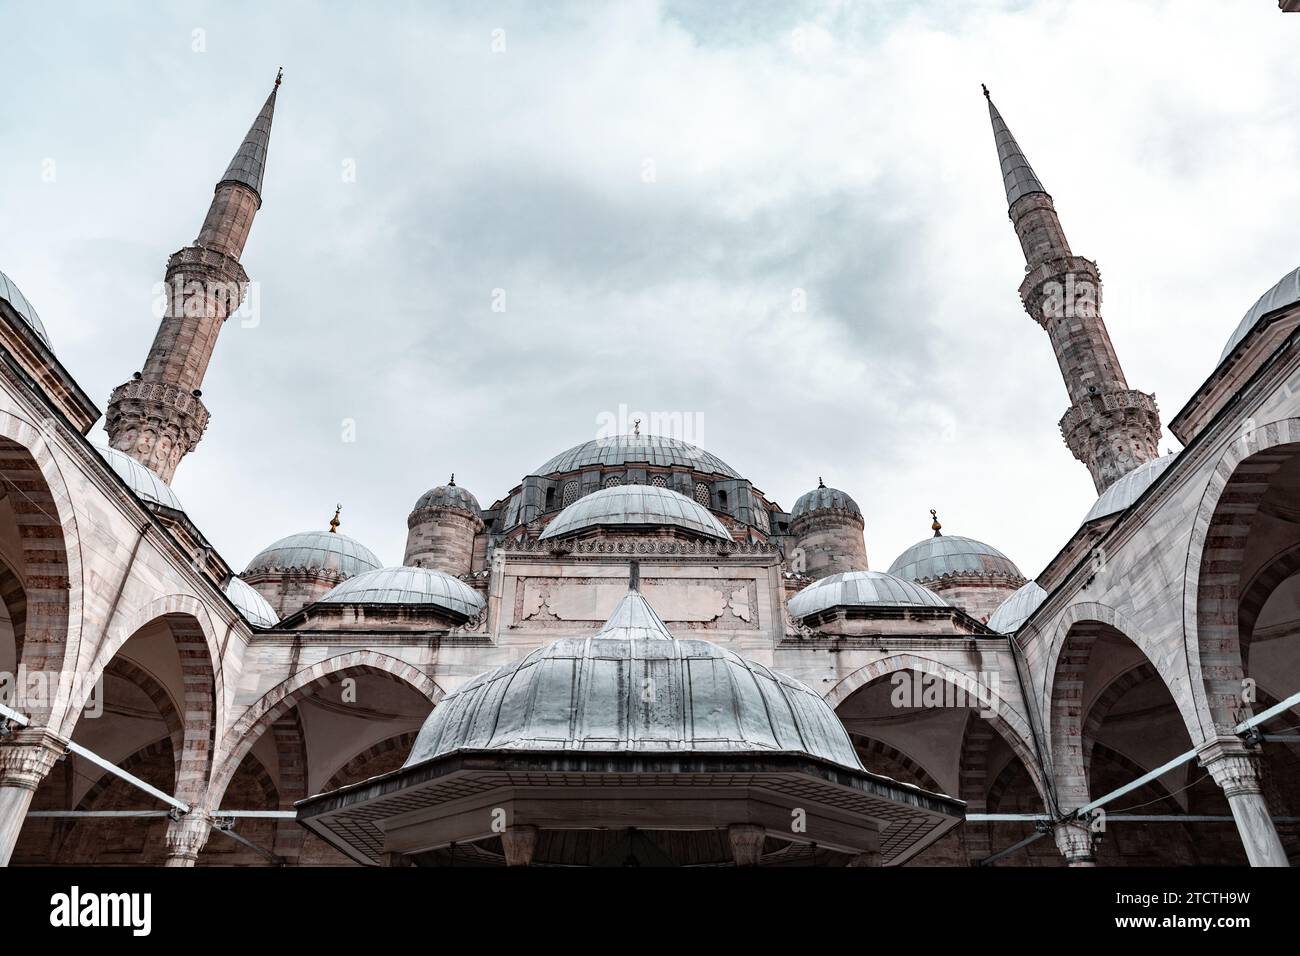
[28, 756]
[1075, 841]
[156, 423]
[1112, 432]
[187, 836]
[631, 545]
[746, 841]
[1234, 768]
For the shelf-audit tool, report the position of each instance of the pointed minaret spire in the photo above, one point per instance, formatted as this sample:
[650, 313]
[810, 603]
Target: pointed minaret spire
[158, 417]
[1109, 427]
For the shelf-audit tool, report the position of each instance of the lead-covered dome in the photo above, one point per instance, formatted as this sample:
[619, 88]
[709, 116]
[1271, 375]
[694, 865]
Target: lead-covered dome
[1285, 293]
[944, 555]
[451, 497]
[256, 609]
[627, 506]
[408, 586]
[327, 552]
[822, 499]
[10, 293]
[573, 695]
[1129, 488]
[140, 479]
[1016, 609]
[636, 449]
[861, 589]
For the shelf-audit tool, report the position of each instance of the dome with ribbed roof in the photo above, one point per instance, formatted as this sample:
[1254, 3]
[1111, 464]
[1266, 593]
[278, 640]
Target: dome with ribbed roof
[256, 609]
[654, 450]
[822, 499]
[631, 506]
[1284, 294]
[861, 589]
[408, 586]
[140, 479]
[1016, 609]
[10, 293]
[451, 497]
[1128, 488]
[572, 695]
[326, 552]
[943, 555]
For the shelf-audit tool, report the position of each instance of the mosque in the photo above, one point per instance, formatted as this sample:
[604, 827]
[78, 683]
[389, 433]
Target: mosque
[634, 656]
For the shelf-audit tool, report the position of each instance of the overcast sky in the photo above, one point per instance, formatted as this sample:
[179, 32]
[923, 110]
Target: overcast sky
[649, 183]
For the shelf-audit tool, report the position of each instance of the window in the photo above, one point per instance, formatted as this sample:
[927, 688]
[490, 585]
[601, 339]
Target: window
[613, 481]
[702, 493]
[659, 481]
[569, 495]
[722, 501]
[550, 498]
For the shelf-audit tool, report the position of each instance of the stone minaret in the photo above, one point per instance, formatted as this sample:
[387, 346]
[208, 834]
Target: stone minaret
[1110, 427]
[158, 417]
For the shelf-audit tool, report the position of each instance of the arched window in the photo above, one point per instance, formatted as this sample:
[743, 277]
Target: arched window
[550, 498]
[569, 495]
[659, 481]
[702, 493]
[613, 481]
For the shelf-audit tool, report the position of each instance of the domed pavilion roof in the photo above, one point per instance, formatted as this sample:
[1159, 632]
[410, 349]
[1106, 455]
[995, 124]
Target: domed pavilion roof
[635, 506]
[1282, 295]
[140, 479]
[636, 449]
[256, 609]
[572, 695]
[450, 496]
[1015, 610]
[822, 498]
[861, 589]
[408, 586]
[10, 293]
[941, 554]
[1128, 488]
[325, 551]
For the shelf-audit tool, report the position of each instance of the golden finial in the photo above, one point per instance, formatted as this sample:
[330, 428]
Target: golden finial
[335, 522]
[279, 75]
[934, 525]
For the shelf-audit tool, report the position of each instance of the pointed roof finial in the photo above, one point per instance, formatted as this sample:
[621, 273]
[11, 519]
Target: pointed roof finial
[1017, 175]
[986, 92]
[335, 522]
[636, 427]
[279, 75]
[249, 163]
[820, 483]
[451, 482]
[934, 524]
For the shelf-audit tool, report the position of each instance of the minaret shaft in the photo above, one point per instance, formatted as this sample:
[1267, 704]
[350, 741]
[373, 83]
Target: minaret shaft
[1109, 427]
[158, 417]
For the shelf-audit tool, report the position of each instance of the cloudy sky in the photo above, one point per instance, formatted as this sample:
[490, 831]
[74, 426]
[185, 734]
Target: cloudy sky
[654, 185]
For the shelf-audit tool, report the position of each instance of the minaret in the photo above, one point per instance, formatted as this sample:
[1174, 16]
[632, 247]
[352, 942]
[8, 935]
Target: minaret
[158, 416]
[1110, 427]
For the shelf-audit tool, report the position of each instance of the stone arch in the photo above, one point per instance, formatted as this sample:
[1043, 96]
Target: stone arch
[85, 832]
[1106, 700]
[51, 549]
[402, 741]
[200, 706]
[871, 746]
[1257, 591]
[155, 691]
[1212, 584]
[286, 695]
[14, 597]
[1010, 724]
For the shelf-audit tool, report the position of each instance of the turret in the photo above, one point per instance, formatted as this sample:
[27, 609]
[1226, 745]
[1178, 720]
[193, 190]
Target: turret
[441, 530]
[827, 530]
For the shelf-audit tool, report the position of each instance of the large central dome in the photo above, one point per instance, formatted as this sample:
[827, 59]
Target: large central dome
[627, 449]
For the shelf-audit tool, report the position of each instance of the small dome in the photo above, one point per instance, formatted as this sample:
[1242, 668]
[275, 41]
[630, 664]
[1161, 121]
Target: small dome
[450, 496]
[10, 292]
[636, 449]
[635, 505]
[572, 695]
[861, 589]
[408, 586]
[256, 609]
[1016, 609]
[1286, 293]
[943, 554]
[1128, 489]
[140, 479]
[323, 551]
[822, 498]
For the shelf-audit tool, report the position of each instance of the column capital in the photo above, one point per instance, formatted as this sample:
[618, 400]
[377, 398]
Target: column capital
[1074, 840]
[1234, 767]
[27, 757]
[746, 841]
[187, 836]
[519, 843]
